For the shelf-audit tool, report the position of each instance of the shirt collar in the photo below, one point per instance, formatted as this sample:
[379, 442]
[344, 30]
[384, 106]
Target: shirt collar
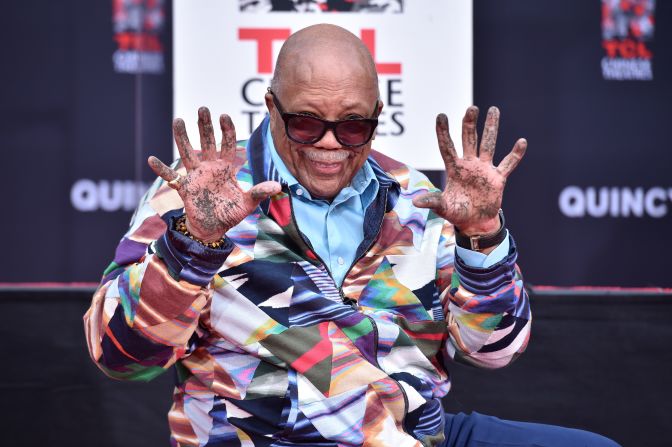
[364, 183]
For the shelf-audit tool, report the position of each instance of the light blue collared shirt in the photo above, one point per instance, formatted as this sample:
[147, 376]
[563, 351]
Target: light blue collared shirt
[336, 229]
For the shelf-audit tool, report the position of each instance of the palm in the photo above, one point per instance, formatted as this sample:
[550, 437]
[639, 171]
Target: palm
[473, 191]
[213, 201]
[474, 186]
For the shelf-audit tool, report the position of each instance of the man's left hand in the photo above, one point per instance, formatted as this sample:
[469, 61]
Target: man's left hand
[474, 186]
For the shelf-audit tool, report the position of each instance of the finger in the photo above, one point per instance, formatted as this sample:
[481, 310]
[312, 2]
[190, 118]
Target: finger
[446, 145]
[469, 134]
[187, 153]
[208, 145]
[165, 172]
[263, 191]
[489, 140]
[228, 138]
[433, 200]
[510, 162]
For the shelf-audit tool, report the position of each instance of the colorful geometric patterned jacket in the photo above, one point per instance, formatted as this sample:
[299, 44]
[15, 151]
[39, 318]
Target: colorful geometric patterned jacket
[271, 352]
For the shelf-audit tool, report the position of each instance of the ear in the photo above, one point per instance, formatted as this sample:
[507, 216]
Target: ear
[379, 107]
[269, 102]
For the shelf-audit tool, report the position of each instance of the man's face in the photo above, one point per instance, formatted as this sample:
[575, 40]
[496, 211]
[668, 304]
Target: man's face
[324, 167]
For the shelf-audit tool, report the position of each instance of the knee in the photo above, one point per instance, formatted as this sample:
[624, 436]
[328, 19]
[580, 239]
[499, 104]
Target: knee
[590, 439]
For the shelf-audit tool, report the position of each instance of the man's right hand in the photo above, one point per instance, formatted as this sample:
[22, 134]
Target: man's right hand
[213, 201]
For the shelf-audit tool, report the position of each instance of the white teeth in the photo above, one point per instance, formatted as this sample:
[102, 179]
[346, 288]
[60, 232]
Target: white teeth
[329, 156]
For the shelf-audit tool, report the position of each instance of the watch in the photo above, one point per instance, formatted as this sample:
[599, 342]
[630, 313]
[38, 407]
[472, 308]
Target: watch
[482, 241]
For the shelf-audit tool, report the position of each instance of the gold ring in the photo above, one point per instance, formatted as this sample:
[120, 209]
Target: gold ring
[175, 183]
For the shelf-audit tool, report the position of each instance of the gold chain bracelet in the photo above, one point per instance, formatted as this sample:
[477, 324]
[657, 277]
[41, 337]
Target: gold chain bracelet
[181, 226]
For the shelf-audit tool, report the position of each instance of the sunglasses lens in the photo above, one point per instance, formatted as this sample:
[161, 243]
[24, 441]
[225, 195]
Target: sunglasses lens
[308, 130]
[354, 132]
[305, 129]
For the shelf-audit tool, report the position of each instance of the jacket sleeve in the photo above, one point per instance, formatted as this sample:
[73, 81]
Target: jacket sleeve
[487, 309]
[147, 307]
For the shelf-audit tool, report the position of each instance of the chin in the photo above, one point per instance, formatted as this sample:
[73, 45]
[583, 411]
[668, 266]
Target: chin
[324, 193]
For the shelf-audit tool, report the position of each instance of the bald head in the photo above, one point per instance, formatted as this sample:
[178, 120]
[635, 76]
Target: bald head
[326, 72]
[321, 51]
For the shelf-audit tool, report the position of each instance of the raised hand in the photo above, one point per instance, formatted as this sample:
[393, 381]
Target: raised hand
[474, 186]
[213, 201]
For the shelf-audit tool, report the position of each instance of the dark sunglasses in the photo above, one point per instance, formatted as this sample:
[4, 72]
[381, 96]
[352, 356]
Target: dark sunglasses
[307, 129]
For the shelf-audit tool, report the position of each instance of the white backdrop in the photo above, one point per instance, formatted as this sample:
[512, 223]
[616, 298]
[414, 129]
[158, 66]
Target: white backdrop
[223, 59]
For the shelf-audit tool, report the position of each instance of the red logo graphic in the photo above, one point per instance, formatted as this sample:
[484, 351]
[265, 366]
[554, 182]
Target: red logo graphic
[266, 36]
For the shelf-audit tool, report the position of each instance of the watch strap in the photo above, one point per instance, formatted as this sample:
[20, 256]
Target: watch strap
[482, 241]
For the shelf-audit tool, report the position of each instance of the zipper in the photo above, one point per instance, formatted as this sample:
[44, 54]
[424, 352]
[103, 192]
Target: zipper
[353, 303]
[375, 327]
[373, 241]
[377, 365]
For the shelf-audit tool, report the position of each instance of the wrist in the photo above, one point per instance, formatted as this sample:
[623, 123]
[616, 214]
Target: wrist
[489, 226]
[477, 237]
[182, 226]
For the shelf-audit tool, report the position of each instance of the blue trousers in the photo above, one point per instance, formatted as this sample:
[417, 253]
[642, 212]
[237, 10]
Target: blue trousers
[478, 430]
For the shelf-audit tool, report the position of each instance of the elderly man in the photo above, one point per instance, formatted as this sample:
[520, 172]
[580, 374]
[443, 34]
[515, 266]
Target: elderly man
[307, 288]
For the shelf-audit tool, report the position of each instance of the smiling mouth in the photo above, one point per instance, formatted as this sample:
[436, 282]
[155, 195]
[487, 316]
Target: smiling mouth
[329, 169]
[327, 157]
[327, 161]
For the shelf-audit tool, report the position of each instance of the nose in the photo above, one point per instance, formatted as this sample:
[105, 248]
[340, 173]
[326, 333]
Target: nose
[328, 141]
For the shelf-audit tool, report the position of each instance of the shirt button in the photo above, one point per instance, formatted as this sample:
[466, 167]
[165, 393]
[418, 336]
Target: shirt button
[340, 261]
[299, 192]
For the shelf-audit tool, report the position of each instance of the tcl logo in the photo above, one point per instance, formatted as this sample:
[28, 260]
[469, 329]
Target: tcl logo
[264, 37]
[390, 122]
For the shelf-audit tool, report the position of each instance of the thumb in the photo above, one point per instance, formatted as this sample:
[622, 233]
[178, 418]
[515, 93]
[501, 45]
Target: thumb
[433, 200]
[263, 191]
